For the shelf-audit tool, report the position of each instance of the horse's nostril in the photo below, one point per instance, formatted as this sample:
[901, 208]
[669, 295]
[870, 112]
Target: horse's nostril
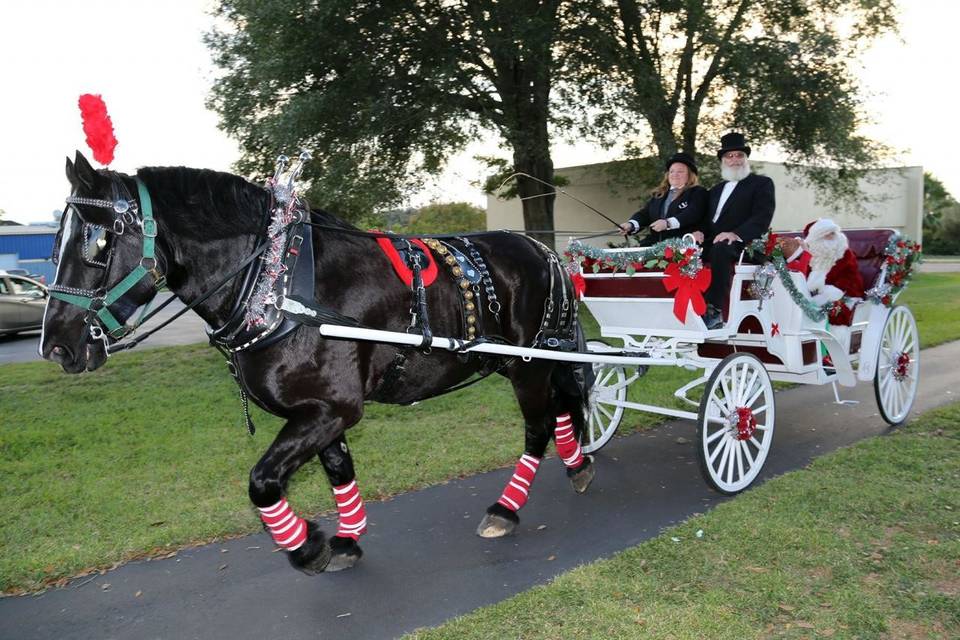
[58, 351]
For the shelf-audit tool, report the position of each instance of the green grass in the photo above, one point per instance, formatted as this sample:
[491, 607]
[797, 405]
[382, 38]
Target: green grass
[863, 543]
[149, 453]
[934, 299]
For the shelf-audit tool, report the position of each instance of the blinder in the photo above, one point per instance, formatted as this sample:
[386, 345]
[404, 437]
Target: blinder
[97, 251]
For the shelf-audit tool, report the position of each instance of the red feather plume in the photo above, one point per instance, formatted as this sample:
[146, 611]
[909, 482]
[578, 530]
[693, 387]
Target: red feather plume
[98, 127]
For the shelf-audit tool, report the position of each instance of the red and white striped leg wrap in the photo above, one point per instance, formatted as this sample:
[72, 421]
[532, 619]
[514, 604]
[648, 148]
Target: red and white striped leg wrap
[567, 446]
[515, 493]
[286, 528]
[353, 515]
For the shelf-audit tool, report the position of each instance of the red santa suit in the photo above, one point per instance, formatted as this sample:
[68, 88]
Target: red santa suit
[831, 268]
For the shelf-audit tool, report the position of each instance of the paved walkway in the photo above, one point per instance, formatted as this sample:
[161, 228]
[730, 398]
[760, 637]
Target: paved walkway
[423, 563]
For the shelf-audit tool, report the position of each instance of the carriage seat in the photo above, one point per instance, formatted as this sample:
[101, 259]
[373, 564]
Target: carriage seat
[867, 245]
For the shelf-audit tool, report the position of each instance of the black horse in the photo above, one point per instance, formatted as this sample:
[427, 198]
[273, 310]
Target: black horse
[112, 253]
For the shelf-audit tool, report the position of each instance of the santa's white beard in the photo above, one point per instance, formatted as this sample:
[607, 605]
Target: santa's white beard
[731, 174]
[825, 253]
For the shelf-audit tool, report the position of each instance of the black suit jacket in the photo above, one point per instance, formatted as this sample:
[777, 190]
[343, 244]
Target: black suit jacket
[690, 210]
[748, 211]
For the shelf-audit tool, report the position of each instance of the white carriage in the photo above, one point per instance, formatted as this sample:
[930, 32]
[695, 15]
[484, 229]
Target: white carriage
[762, 340]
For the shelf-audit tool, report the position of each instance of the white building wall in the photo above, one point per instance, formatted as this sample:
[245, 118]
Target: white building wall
[893, 198]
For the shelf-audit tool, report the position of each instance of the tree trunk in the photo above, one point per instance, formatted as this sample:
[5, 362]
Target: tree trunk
[537, 198]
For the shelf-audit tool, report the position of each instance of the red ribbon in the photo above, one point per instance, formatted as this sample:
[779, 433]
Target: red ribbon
[688, 289]
[579, 284]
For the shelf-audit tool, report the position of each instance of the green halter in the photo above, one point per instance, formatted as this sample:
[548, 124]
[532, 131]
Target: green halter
[100, 304]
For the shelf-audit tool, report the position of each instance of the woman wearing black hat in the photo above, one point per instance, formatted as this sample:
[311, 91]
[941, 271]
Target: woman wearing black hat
[678, 205]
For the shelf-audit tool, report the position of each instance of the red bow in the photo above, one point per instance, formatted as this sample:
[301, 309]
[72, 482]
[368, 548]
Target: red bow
[579, 284]
[689, 289]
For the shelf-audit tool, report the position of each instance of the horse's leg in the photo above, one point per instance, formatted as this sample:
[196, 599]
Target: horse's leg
[531, 386]
[580, 468]
[569, 402]
[338, 463]
[298, 441]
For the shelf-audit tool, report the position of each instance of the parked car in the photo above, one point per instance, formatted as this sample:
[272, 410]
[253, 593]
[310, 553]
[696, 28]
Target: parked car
[24, 273]
[22, 301]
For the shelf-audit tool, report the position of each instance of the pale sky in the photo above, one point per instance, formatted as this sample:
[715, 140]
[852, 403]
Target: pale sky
[148, 62]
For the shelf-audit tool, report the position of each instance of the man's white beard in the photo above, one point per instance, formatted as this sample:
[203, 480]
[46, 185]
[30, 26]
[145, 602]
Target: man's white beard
[825, 253]
[731, 174]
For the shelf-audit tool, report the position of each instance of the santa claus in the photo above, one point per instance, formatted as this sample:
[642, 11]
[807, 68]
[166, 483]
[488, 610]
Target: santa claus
[830, 266]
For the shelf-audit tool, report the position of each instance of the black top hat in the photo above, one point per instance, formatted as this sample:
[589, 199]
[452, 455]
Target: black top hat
[683, 158]
[733, 141]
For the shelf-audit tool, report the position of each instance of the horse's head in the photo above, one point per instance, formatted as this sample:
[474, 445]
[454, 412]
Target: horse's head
[106, 266]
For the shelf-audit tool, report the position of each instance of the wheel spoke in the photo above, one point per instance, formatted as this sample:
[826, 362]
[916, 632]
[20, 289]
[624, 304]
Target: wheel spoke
[607, 374]
[746, 452]
[604, 411]
[622, 384]
[756, 395]
[741, 386]
[716, 434]
[717, 450]
[721, 407]
[748, 388]
[731, 461]
[727, 396]
[739, 446]
[759, 410]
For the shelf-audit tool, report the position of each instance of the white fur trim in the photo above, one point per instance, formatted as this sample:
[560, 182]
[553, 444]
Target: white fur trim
[822, 227]
[816, 280]
[832, 293]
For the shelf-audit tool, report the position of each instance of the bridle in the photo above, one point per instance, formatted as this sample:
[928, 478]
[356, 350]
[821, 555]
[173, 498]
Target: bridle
[128, 212]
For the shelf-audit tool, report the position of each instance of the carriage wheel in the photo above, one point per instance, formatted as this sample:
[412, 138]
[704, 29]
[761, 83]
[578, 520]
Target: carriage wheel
[735, 424]
[898, 366]
[604, 409]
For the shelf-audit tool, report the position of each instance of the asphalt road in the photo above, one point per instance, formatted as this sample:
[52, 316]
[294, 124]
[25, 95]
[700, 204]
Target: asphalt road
[423, 563]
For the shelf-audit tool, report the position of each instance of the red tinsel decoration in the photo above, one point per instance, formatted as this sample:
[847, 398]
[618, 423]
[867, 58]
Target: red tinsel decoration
[98, 127]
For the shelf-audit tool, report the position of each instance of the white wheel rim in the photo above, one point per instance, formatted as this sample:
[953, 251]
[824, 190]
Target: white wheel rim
[605, 407]
[733, 456]
[898, 365]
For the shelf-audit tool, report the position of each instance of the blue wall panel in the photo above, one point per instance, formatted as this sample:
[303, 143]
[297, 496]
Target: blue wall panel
[32, 246]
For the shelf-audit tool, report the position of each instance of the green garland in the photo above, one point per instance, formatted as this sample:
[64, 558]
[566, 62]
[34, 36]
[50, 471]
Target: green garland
[767, 248]
[654, 257]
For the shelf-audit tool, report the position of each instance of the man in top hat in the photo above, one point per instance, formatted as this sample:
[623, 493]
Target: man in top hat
[678, 204]
[740, 210]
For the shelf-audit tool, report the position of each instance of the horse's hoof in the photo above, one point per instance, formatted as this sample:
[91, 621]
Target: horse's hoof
[313, 556]
[345, 553]
[582, 476]
[498, 522]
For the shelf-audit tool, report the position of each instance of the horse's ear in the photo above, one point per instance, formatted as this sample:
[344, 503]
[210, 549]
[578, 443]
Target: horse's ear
[71, 174]
[85, 174]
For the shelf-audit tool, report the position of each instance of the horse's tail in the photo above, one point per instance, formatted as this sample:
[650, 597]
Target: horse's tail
[571, 382]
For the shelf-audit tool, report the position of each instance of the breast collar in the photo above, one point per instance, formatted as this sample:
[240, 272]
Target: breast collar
[297, 279]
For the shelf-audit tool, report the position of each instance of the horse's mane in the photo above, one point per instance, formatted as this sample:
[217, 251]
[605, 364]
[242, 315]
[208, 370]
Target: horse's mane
[206, 203]
[215, 204]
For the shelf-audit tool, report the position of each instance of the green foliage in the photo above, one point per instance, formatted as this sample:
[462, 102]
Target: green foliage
[383, 92]
[941, 219]
[448, 217]
[783, 72]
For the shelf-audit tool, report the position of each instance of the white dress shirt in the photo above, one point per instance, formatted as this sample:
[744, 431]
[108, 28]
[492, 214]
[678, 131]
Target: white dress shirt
[724, 195]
